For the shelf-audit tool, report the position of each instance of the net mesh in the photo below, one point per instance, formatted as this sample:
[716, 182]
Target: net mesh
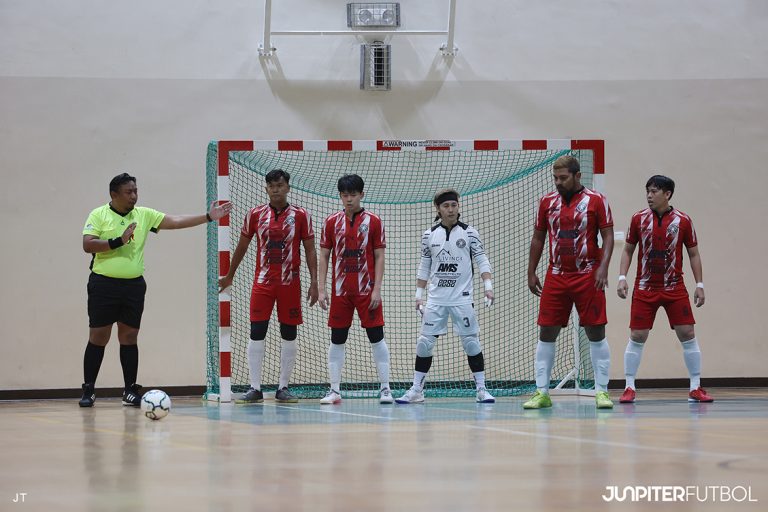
[499, 195]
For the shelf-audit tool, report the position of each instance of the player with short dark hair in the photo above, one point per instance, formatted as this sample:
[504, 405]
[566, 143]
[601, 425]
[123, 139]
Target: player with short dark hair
[115, 234]
[660, 231]
[448, 249]
[355, 237]
[279, 229]
[577, 273]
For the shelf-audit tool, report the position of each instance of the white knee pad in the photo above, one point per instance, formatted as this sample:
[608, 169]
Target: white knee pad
[425, 345]
[471, 344]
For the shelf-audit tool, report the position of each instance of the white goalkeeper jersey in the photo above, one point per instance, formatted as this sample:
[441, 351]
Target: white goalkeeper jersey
[446, 263]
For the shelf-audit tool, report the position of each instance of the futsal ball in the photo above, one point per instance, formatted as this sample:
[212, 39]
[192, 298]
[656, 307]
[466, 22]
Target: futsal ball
[155, 404]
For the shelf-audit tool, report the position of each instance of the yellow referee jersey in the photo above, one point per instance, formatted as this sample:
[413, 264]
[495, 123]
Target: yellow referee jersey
[125, 262]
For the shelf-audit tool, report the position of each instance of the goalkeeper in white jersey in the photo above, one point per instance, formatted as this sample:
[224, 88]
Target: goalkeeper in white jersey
[447, 252]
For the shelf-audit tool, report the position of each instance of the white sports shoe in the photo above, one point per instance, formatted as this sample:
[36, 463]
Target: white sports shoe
[484, 397]
[332, 397]
[412, 396]
[385, 396]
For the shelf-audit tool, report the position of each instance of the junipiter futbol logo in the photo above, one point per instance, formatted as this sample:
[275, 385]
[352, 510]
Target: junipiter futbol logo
[461, 243]
[290, 221]
[363, 228]
[672, 229]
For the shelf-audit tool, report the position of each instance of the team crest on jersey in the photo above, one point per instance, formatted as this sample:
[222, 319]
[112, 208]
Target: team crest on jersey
[581, 207]
[290, 220]
[461, 243]
[672, 229]
[363, 228]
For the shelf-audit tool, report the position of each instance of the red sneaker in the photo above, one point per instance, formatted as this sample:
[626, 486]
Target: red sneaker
[628, 397]
[699, 395]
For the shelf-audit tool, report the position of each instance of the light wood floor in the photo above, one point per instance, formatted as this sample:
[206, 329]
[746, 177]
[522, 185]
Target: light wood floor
[445, 455]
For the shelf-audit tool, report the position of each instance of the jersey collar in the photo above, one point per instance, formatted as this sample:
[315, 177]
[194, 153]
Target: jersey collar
[117, 212]
[278, 212]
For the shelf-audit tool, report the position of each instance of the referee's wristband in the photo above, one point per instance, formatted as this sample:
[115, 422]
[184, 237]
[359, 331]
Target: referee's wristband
[208, 216]
[622, 278]
[116, 242]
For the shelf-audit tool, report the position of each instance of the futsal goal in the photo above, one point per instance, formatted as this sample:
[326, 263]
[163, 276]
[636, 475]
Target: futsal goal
[500, 182]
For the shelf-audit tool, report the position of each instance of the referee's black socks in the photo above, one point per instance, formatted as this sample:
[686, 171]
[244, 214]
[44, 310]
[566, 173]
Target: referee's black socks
[94, 354]
[129, 359]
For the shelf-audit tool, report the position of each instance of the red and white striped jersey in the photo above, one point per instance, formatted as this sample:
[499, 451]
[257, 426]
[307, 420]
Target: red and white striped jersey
[660, 242]
[352, 244]
[573, 227]
[278, 238]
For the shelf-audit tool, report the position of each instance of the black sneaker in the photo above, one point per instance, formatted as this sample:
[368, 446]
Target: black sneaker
[284, 396]
[252, 396]
[132, 396]
[89, 395]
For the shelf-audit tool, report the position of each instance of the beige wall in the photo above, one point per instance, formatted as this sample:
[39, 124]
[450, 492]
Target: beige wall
[90, 88]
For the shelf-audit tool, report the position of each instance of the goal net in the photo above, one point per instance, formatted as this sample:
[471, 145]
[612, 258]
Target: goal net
[500, 183]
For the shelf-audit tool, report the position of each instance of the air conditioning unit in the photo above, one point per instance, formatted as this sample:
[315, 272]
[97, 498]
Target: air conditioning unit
[376, 66]
[373, 15]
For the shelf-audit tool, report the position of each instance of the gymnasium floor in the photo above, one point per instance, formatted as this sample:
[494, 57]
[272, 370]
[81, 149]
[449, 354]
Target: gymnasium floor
[445, 455]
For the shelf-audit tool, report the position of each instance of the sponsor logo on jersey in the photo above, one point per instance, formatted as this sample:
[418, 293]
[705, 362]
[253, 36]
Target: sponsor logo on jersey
[352, 253]
[568, 234]
[448, 267]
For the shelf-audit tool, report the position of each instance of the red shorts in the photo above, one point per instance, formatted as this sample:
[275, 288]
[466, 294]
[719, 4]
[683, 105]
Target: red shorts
[288, 297]
[645, 303]
[560, 293]
[344, 306]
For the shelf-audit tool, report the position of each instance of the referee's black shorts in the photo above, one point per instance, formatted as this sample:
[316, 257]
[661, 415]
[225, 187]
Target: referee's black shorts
[113, 300]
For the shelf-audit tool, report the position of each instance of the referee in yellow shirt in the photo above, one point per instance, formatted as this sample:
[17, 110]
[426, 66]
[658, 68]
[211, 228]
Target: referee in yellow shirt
[115, 235]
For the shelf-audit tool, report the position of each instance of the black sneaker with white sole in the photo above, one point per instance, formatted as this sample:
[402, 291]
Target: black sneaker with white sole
[132, 396]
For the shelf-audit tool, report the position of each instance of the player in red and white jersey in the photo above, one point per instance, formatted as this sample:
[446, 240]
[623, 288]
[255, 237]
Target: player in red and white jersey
[356, 240]
[660, 232]
[578, 272]
[280, 229]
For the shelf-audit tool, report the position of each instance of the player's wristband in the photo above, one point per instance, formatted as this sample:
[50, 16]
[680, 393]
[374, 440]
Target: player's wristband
[419, 293]
[622, 278]
[488, 285]
[700, 285]
[116, 242]
[208, 216]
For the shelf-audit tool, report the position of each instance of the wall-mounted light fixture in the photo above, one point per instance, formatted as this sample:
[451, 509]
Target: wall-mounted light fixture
[373, 15]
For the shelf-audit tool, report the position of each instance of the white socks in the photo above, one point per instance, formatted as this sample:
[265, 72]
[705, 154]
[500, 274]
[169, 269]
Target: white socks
[336, 355]
[632, 356]
[601, 362]
[256, 349]
[545, 360]
[692, 356]
[418, 380]
[381, 358]
[479, 379]
[287, 362]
